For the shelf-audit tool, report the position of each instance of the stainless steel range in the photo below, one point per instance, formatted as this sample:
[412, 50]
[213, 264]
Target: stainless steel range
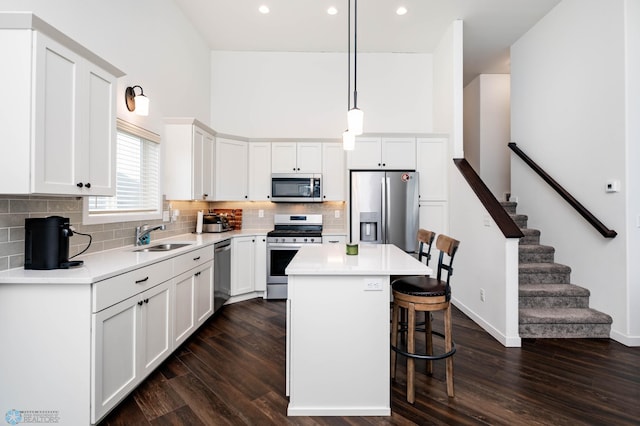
[291, 231]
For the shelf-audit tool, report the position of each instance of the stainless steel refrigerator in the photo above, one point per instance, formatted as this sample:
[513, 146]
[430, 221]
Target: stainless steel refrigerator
[384, 208]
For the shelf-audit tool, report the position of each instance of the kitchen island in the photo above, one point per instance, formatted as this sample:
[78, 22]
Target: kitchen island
[338, 328]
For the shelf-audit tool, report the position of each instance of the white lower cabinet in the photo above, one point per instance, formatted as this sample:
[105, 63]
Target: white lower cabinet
[130, 339]
[242, 265]
[193, 301]
[260, 263]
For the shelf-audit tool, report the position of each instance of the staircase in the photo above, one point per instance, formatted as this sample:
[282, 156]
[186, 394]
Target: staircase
[551, 307]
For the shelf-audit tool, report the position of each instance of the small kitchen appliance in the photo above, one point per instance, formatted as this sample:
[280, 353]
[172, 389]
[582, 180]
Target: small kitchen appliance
[46, 243]
[290, 233]
[214, 222]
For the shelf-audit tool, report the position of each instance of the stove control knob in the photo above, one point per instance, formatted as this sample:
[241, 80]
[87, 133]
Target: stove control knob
[294, 240]
[305, 240]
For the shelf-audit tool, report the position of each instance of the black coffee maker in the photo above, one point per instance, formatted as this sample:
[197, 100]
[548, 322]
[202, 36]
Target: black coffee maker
[46, 243]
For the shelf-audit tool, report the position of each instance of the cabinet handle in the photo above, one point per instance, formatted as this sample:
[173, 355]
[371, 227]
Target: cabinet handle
[196, 258]
[146, 300]
[205, 195]
[384, 164]
[268, 196]
[246, 196]
[379, 164]
[333, 241]
[142, 280]
[197, 274]
[140, 303]
[79, 184]
[87, 185]
[298, 168]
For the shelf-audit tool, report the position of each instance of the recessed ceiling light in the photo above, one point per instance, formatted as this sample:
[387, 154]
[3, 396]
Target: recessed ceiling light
[401, 10]
[332, 10]
[264, 9]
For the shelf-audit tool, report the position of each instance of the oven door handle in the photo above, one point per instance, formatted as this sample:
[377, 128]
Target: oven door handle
[282, 246]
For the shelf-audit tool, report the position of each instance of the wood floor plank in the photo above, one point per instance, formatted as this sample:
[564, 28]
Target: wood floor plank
[232, 372]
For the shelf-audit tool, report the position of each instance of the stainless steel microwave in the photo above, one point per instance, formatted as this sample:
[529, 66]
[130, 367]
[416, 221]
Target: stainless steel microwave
[296, 188]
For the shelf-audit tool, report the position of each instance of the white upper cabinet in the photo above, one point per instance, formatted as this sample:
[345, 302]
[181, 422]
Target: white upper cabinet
[432, 164]
[296, 157]
[388, 153]
[259, 171]
[333, 172]
[231, 174]
[188, 160]
[59, 113]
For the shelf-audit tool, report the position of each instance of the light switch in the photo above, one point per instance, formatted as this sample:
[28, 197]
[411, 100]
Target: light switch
[613, 185]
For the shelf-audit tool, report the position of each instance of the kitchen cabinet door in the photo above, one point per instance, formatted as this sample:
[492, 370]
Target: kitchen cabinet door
[188, 160]
[131, 338]
[115, 368]
[366, 154]
[333, 172]
[202, 157]
[156, 324]
[386, 153]
[260, 263]
[203, 288]
[398, 153]
[231, 174]
[75, 130]
[259, 171]
[309, 157]
[432, 164]
[183, 308]
[242, 265]
[296, 157]
[284, 157]
[193, 301]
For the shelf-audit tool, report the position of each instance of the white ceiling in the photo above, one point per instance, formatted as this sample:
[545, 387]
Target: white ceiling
[490, 26]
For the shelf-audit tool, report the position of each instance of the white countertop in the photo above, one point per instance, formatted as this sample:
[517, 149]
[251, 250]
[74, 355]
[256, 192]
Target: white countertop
[109, 263]
[372, 259]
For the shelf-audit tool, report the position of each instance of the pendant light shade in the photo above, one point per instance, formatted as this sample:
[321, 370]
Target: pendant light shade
[355, 121]
[348, 140]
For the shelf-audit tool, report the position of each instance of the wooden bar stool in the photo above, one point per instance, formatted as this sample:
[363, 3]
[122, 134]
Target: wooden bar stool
[425, 294]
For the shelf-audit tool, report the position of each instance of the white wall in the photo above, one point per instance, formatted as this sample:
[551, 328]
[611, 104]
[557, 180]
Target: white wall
[568, 114]
[485, 260]
[150, 40]
[448, 90]
[296, 94]
[487, 130]
[632, 37]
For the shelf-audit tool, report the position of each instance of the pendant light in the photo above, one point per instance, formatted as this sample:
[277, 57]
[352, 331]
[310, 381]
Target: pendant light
[348, 138]
[355, 116]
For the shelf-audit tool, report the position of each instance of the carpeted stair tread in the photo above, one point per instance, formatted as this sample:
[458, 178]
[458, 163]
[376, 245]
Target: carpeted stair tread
[552, 268]
[551, 290]
[531, 236]
[520, 220]
[563, 316]
[535, 253]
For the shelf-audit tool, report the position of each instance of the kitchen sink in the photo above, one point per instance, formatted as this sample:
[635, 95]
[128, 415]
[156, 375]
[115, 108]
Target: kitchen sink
[163, 247]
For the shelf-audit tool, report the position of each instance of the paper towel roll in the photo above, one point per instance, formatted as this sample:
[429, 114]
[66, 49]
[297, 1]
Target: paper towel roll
[199, 223]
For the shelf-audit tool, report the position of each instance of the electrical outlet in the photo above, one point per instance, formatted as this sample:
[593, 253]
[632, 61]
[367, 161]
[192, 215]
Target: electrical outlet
[165, 216]
[372, 284]
[337, 214]
[260, 213]
[482, 294]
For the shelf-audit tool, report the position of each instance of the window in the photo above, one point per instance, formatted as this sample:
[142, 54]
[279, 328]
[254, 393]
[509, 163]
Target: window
[137, 180]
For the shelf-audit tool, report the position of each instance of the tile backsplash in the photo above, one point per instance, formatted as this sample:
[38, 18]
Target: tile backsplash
[14, 209]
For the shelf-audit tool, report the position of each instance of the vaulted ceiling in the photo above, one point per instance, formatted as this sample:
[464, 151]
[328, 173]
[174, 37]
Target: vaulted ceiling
[490, 26]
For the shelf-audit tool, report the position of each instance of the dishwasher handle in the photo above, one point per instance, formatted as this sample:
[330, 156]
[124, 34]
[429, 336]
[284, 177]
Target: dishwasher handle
[222, 246]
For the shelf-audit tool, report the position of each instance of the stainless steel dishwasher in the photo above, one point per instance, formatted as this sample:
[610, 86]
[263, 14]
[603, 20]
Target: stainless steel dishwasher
[221, 273]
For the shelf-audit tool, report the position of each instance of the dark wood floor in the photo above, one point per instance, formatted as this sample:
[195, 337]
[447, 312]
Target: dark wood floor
[231, 372]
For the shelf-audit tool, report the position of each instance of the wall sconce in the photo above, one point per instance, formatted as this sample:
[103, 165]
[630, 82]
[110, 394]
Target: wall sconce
[138, 103]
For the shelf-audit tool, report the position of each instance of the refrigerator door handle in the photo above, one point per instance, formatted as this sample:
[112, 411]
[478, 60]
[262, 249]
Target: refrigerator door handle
[388, 212]
[383, 211]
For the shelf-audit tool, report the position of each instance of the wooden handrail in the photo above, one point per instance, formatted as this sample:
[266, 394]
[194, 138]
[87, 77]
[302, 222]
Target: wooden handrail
[498, 213]
[589, 217]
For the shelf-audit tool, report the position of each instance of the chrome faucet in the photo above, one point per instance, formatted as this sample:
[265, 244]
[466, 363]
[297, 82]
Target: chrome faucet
[143, 231]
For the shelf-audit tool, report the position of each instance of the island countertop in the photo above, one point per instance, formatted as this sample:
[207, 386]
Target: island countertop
[372, 259]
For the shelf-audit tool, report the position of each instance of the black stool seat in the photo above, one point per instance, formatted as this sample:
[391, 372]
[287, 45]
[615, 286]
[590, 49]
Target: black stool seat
[421, 286]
